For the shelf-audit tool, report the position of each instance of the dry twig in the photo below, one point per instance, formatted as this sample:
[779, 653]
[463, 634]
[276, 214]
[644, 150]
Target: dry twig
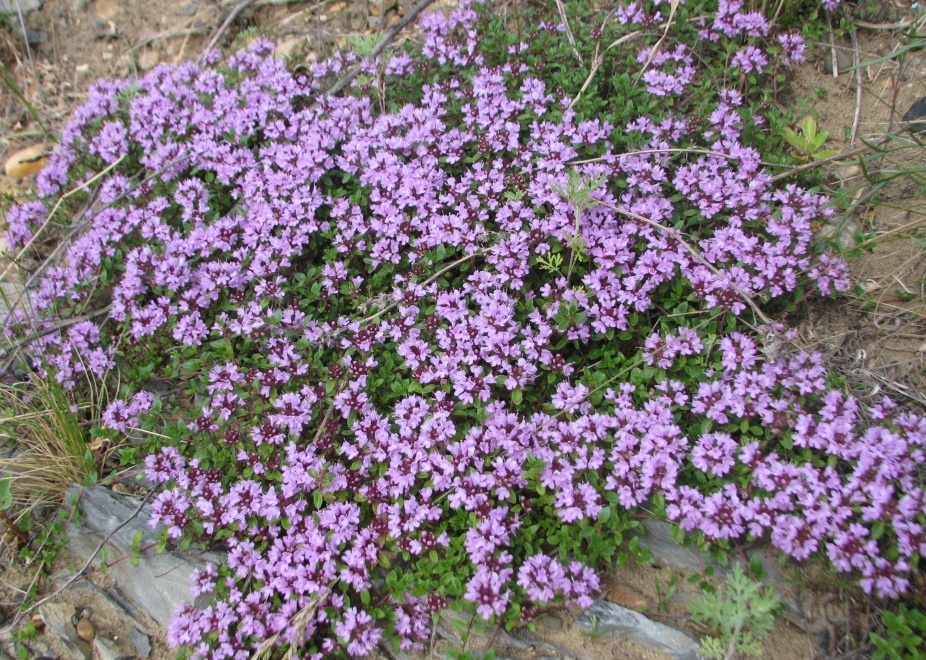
[387, 39]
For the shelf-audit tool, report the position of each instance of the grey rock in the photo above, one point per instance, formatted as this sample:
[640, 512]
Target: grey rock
[658, 539]
[140, 641]
[107, 649]
[160, 583]
[35, 37]
[605, 617]
[104, 29]
[59, 618]
[916, 116]
[16, 6]
[844, 60]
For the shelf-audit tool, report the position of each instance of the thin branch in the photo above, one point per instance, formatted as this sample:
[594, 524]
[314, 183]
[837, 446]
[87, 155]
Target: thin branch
[672, 9]
[901, 25]
[51, 213]
[833, 58]
[694, 253]
[387, 39]
[79, 575]
[423, 284]
[80, 225]
[818, 163]
[240, 7]
[572, 40]
[57, 325]
[598, 60]
[858, 88]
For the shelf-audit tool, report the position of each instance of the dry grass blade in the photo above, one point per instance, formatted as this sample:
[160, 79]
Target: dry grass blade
[298, 622]
[673, 7]
[42, 427]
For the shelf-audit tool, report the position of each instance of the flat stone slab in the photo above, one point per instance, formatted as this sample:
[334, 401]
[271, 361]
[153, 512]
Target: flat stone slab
[160, 583]
[604, 617]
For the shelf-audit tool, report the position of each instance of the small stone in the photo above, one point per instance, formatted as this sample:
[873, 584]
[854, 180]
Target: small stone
[843, 61]
[27, 162]
[146, 34]
[85, 630]
[37, 623]
[916, 116]
[79, 5]
[189, 9]
[58, 618]
[112, 647]
[140, 641]
[106, 9]
[376, 6]
[104, 29]
[125, 64]
[148, 60]
[289, 49]
[392, 20]
[14, 7]
[81, 71]
[550, 621]
[105, 649]
[627, 597]
[35, 37]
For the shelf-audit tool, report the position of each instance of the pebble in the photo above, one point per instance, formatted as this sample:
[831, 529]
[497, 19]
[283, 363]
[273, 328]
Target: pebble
[605, 618]
[140, 641]
[125, 64]
[35, 37]
[843, 60]
[104, 29]
[148, 60]
[85, 630]
[145, 34]
[81, 71]
[106, 9]
[28, 161]
[387, 6]
[58, 618]
[916, 116]
[290, 48]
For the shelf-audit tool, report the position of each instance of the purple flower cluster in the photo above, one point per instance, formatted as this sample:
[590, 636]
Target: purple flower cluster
[401, 373]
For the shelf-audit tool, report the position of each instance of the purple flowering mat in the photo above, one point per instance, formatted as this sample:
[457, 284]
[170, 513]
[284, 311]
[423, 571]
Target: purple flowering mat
[447, 337]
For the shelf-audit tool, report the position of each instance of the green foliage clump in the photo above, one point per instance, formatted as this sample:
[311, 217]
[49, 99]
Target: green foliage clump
[743, 613]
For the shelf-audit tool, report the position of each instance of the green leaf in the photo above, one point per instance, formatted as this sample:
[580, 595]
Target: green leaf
[6, 497]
